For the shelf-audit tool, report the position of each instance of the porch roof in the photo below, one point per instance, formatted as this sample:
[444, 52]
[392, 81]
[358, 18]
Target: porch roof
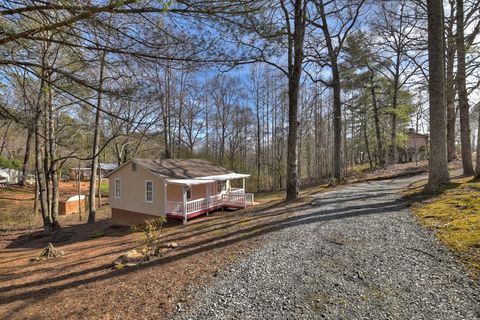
[208, 179]
[189, 182]
[227, 176]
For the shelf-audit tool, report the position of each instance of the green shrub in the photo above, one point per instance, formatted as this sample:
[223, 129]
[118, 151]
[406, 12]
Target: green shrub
[10, 163]
[150, 242]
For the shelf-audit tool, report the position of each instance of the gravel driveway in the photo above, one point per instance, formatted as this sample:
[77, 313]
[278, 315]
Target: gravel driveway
[356, 254]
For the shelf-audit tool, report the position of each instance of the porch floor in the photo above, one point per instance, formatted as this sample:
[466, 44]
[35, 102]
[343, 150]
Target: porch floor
[179, 216]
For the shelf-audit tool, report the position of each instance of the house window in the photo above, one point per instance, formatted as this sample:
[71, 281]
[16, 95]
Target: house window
[221, 186]
[188, 191]
[148, 191]
[118, 188]
[134, 166]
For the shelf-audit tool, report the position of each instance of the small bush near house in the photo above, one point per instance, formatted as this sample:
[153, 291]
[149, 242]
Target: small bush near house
[150, 244]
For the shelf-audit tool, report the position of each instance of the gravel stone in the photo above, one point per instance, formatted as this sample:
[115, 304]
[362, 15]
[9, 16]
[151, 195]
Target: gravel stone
[357, 253]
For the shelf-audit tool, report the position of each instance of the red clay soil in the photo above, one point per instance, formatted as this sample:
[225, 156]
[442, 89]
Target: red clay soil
[82, 285]
[70, 188]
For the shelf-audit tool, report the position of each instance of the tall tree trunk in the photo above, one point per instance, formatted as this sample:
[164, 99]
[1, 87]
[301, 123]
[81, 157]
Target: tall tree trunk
[462, 94]
[376, 117]
[46, 153]
[477, 162]
[53, 166]
[367, 146]
[4, 141]
[26, 156]
[337, 123]
[438, 147]
[394, 112]
[257, 108]
[39, 163]
[450, 84]
[55, 195]
[295, 58]
[96, 141]
[166, 116]
[99, 187]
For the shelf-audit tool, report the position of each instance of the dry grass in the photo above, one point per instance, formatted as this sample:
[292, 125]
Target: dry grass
[16, 206]
[277, 196]
[453, 212]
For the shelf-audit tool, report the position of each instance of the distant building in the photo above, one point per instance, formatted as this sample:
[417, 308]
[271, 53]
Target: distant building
[10, 176]
[416, 147]
[85, 172]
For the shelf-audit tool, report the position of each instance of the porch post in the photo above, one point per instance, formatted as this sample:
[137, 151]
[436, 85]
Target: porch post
[243, 185]
[165, 198]
[207, 196]
[184, 206]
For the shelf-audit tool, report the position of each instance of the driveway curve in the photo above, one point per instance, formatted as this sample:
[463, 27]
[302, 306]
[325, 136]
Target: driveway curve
[357, 253]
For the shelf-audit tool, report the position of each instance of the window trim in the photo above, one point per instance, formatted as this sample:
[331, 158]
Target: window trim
[146, 183]
[119, 196]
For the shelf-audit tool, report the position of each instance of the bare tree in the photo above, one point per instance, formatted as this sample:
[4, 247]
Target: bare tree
[343, 15]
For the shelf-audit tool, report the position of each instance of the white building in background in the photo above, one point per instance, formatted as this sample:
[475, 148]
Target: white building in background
[9, 176]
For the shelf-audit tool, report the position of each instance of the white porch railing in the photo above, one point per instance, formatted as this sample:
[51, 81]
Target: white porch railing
[197, 205]
[174, 207]
[226, 199]
[233, 199]
[249, 198]
[237, 190]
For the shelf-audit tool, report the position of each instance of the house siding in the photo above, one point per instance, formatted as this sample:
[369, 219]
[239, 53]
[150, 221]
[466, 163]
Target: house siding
[128, 218]
[133, 191]
[416, 142]
[175, 191]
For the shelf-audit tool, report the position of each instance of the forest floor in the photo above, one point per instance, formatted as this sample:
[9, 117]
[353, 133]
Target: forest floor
[82, 285]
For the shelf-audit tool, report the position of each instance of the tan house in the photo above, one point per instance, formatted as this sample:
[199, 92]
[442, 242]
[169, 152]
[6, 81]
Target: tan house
[416, 146]
[142, 189]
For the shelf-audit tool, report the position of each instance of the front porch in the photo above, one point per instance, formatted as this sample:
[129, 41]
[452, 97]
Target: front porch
[203, 195]
[194, 208]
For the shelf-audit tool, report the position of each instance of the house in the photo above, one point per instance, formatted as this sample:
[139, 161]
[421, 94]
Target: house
[142, 189]
[85, 172]
[416, 146]
[10, 176]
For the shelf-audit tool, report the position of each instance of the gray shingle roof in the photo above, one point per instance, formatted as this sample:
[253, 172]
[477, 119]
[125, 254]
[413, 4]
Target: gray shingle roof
[182, 168]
